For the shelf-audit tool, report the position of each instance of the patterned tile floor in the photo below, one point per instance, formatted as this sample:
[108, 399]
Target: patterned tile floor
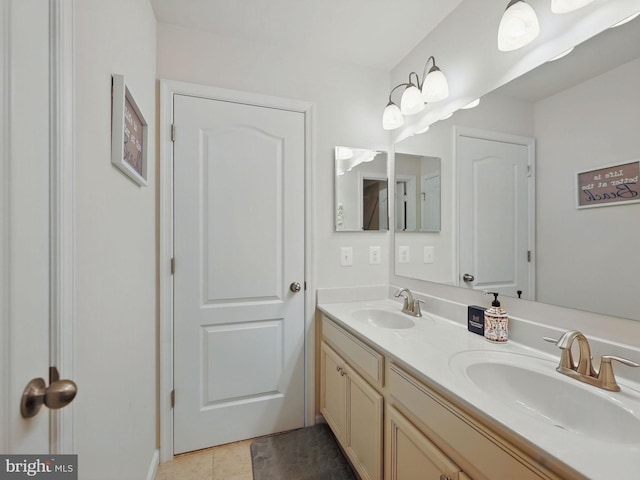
[226, 462]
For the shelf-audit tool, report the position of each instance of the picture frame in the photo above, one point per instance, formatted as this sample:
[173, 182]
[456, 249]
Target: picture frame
[610, 185]
[128, 133]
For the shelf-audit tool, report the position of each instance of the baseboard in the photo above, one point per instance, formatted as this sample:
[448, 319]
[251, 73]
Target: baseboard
[153, 466]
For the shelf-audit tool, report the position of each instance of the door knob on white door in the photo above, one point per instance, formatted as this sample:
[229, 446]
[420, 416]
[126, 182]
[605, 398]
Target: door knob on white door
[467, 277]
[57, 395]
[295, 287]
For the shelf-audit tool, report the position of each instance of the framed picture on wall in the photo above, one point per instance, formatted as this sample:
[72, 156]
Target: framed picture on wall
[128, 133]
[612, 185]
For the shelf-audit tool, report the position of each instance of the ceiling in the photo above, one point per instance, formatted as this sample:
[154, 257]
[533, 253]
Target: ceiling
[369, 33]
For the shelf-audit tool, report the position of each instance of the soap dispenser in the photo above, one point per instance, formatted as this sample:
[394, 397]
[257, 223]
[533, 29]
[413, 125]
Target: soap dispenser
[496, 322]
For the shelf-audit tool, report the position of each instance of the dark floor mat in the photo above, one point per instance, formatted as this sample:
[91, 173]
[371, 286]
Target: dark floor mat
[307, 454]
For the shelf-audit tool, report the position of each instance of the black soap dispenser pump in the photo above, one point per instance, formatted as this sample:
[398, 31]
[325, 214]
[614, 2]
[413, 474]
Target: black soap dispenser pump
[496, 322]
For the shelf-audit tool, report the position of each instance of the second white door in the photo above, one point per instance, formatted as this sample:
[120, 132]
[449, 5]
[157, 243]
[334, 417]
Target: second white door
[496, 216]
[239, 275]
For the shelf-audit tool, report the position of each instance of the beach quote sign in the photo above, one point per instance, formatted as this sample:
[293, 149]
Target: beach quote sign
[613, 185]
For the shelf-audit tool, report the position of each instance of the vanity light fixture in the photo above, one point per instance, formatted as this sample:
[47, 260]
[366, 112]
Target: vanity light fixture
[566, 6]
[392, 117]
[518, 26]
[411, 101]
[432, 88]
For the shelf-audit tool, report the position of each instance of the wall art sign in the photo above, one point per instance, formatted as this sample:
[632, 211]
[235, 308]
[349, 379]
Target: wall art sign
[128, 133]
[612, 185]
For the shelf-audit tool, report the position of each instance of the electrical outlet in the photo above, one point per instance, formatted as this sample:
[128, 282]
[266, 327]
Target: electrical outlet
[403, 254]
[374, 255]
[429, 255]
[346, 256]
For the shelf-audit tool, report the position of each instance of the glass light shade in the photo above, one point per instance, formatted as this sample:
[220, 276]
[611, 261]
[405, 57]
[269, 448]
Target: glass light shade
[435, 86]
[473, 104]
[392, 117]
[411, 101]
[518, 27]
[422, 130]
[565, 6]
[626, 20]
[563, 54]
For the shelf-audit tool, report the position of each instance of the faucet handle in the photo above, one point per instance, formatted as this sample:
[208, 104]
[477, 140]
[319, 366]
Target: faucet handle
[606, 376]
[416, 307]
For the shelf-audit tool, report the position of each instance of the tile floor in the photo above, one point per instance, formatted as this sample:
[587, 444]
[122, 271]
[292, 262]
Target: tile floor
[226, 462]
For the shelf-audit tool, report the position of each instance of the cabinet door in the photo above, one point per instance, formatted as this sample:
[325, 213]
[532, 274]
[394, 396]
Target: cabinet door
[411, 456]
[364, 426]
[333, 391]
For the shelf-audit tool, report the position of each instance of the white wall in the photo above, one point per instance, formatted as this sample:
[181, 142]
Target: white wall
[347, 113]
[603, 113]
[116, 327]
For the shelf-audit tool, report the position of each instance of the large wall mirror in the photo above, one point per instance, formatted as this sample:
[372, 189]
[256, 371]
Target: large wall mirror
[361, 186]
[509, 195]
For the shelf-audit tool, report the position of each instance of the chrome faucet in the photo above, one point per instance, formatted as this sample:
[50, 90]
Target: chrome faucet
[583, 370]
[410, 305]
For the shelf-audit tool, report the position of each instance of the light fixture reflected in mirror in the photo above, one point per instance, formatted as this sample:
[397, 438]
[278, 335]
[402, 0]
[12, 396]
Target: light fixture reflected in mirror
[626, 20]
[432, 88]
[473, 104]
[518, 27]
[563, 54]
[566, 6]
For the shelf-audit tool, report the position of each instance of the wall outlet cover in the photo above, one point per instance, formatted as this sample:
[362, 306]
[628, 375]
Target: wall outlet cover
[374, 255]
[403, 254]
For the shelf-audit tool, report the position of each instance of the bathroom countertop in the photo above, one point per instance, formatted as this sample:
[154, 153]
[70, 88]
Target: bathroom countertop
[428, 349]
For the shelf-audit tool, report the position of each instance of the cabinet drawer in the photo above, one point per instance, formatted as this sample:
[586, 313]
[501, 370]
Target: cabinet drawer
[471, 446]
[361, 357]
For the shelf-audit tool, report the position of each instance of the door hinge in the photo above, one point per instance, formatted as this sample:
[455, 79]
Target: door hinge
[173, 132]
[528, 255]
[173, 265]
[173, 398]
[528, 170]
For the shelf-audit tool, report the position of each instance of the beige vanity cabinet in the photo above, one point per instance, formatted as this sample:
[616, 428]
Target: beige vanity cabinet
[409, 455]
[354, 411]
[425, 435]
[480, 452]
[352, 406]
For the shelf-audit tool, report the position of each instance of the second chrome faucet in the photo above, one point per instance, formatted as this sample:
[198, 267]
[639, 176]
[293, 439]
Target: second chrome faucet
[410, 305]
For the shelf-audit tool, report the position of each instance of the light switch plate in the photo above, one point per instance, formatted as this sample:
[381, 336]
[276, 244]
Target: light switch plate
[403, 254]
[374, 255]
[346, 256]
[429, 254]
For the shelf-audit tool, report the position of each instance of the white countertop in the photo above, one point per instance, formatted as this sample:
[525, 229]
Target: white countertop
[428, 348]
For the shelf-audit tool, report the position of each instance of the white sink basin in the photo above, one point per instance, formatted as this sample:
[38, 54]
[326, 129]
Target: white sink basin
[532, 386]
[384, 318]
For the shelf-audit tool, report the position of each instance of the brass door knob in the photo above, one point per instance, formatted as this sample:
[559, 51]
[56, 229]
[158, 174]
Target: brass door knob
[57, 395]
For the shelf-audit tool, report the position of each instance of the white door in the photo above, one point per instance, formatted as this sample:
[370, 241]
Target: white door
[430, 206]
[239, 253]
[495, 215]
[28, 299]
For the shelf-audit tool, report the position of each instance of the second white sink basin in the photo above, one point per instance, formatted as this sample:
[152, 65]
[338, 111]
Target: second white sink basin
[384, 318]
[532, 386]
